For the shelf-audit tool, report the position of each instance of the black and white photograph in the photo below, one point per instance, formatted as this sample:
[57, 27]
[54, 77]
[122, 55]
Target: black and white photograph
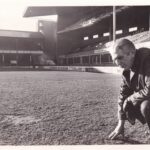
[74, 75]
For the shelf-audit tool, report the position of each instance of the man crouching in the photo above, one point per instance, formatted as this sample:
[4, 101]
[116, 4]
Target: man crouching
[134, 99]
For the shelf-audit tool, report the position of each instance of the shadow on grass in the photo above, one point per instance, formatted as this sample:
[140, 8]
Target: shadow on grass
[125, 140]
[131, 141]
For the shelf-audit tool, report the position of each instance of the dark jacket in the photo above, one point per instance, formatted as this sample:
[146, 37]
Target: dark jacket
[136, 89]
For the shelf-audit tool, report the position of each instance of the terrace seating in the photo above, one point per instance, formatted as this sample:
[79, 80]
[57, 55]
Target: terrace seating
[136, 38]
[104, 46]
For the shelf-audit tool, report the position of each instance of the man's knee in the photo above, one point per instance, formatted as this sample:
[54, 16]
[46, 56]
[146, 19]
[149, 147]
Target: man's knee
[145, 108]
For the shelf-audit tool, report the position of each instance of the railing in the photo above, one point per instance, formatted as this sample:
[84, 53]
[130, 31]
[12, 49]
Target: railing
[140, 37]
[136, 38]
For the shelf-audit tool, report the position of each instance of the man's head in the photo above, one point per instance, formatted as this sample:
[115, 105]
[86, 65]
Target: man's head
[123, 53]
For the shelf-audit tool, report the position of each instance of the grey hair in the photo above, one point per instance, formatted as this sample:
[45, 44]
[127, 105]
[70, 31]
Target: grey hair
[121, 44]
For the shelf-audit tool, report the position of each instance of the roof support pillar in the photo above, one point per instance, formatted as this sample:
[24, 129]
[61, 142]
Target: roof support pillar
[110, 31]
[114, 23]
[100, 60]
[3, 59]
[149, 19]
[81, 60]
[30, 60]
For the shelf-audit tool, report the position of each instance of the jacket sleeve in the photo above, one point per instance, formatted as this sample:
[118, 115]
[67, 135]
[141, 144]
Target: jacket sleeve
[125, 92]
[143, 94]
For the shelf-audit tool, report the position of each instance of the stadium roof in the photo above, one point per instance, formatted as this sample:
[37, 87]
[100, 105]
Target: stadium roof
[86, 22]
[63, 10]
[20, 34]
[79, 16]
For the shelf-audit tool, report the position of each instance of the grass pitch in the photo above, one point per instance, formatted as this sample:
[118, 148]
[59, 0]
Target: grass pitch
[61, 108]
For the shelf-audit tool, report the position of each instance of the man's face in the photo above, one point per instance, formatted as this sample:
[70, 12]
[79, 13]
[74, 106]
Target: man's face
[122, 59]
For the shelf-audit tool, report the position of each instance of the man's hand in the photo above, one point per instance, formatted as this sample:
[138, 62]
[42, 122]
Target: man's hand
[118, 130]
[126, 105]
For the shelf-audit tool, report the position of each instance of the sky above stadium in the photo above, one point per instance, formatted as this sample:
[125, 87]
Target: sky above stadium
[11, 11]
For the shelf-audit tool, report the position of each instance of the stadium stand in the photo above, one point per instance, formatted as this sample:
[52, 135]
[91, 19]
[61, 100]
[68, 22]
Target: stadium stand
[75, 41]
[22, 48]
[90, 58]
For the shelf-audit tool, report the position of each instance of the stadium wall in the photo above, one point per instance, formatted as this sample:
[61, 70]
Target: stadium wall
[94, 69]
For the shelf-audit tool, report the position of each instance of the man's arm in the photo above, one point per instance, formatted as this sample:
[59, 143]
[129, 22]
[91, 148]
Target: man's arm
[143, 94]
[125, 92]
